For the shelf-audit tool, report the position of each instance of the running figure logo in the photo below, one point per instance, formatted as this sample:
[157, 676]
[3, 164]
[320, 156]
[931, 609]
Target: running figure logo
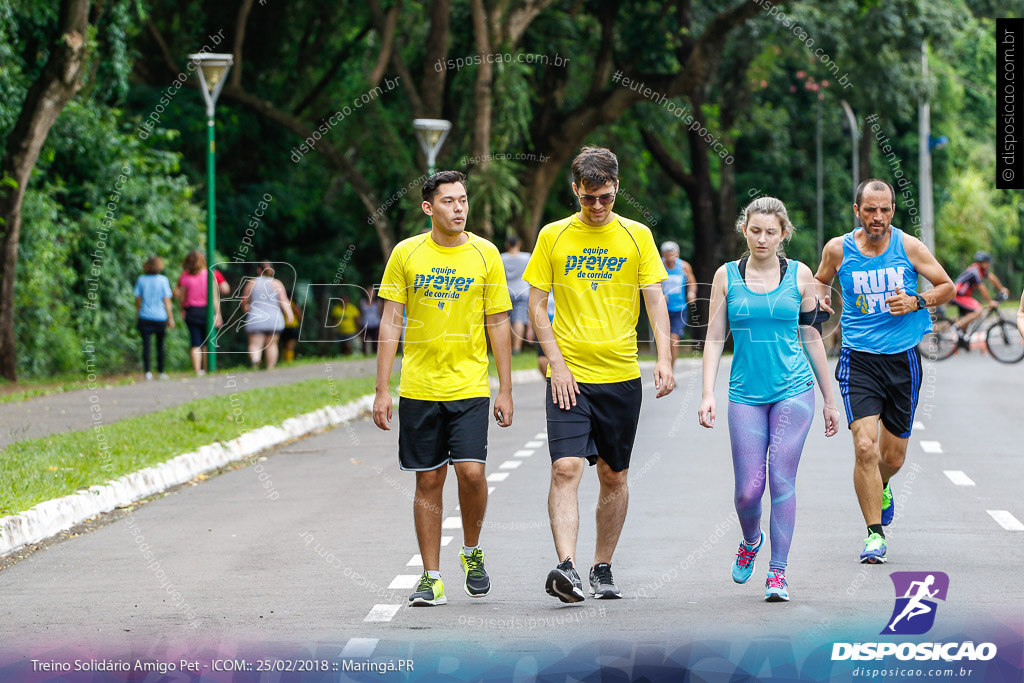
[916, 593]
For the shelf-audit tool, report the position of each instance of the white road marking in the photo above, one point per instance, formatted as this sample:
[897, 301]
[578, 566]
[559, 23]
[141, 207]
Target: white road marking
[497, 476]
[416, 561]
[1006, 520]
[541, 435]
[445, 540]
[918, 425]
[490, 490]
[931, 446]
[510, 464]
[403, 581]
[382, 612]
[359, 648]
[523, 454]
[452, 523]
[958, 478]
[533, 444]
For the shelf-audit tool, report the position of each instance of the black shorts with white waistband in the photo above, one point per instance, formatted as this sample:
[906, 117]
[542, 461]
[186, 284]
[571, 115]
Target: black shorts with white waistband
[432, 434]
[602, 424]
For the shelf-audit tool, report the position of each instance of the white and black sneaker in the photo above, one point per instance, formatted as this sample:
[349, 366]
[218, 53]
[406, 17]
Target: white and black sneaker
[602, 585]
[564, 583]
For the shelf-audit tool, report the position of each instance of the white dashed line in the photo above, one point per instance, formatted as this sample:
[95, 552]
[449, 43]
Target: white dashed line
[958, 478]
[1006, 520]
[497, 476]
[533, 444]
[510, 464]
[490, 490]
[452, 523]
[382, 612]
[541, 435]
[931, 446]
[523, 454]
[445, 540]
[403, 581]
[918, 425]
[416, 561]
[359, 648]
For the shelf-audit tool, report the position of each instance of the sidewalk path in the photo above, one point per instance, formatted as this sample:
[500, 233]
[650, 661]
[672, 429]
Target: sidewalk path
[70, 411]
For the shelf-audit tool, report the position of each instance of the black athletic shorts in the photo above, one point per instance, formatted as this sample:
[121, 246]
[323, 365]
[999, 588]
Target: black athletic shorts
[881, 384]
[195, 320]
[602, 424]
[432, 434]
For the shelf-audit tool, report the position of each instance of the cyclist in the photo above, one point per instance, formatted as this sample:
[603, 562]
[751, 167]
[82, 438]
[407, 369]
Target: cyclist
[969, 280]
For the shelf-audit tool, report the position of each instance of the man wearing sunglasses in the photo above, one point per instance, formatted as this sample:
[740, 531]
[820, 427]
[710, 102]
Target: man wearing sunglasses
[596, 263]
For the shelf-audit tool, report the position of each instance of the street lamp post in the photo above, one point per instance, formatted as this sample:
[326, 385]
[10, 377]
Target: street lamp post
[431, 134]
[854, 160]
[213, 70]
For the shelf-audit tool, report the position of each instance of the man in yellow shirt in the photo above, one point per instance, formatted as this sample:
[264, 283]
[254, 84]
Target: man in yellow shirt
[597, 264]
[451, 284]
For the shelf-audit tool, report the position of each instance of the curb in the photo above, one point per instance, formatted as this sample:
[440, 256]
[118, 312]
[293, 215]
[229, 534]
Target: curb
[51, 517]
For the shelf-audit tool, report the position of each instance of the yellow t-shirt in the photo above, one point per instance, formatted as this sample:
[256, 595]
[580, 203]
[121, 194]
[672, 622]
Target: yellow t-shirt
[346, 315]
[447, 291]
[596, 274]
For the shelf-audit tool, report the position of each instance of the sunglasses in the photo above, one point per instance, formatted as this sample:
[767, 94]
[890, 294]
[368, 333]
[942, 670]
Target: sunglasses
[589, 199]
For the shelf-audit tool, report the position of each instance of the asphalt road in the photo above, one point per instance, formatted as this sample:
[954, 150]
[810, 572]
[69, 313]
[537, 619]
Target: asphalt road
[308, 568]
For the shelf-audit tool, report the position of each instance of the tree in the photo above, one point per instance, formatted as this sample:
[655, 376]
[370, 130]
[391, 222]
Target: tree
[58, 82]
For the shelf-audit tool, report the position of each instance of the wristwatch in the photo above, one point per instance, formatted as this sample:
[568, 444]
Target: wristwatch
[921, 303]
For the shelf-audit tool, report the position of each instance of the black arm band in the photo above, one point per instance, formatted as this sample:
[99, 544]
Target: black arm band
[814, 318]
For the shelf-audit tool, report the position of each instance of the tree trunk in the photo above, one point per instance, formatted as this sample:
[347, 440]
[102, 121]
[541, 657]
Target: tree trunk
[434, 71]
[58, 82]
[482, 101]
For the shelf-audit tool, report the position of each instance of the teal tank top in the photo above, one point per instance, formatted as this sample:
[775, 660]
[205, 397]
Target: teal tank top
[768, 363]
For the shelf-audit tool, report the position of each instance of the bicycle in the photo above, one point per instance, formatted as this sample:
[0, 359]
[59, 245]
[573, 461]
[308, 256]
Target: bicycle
[1002, 339]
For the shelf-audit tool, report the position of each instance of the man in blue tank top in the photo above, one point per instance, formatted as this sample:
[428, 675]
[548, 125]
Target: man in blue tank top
[884, 318]
[680, 291]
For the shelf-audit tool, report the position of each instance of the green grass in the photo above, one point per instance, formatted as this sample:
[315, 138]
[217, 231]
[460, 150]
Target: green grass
[49, 467]
[58, 465]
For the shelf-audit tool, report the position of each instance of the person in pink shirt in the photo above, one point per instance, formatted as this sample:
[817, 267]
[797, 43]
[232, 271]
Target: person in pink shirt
[192, 295]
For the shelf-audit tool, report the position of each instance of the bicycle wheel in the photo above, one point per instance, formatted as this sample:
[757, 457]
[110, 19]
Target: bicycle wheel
[1004, 342]
[940, 343]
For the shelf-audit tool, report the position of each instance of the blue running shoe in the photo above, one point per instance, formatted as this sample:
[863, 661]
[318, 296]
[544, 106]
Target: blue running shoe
[743, 567]
[888, 509]
[775, 588]
[874, 550]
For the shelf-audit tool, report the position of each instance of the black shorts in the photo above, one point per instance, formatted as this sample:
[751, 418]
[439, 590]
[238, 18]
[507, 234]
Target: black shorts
[881, 384]
[289, 334]
[195, 320]
[432, 434]
[602, 424]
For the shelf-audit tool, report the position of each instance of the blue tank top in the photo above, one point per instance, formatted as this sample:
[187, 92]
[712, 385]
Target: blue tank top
[675, 287]
[867, 282]
[768, 362]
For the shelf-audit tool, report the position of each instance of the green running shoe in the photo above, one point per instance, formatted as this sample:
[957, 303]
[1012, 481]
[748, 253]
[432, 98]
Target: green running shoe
[888, 509]
[430, 592]
[478, 584]
[874, 550]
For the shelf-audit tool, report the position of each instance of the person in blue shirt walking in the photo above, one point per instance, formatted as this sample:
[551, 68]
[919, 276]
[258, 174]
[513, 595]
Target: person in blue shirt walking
[772, 309]
[680, 290]
[884, 318]
[153, 306]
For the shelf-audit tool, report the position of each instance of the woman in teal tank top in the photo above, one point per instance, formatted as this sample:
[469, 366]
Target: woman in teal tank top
[771, 385]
